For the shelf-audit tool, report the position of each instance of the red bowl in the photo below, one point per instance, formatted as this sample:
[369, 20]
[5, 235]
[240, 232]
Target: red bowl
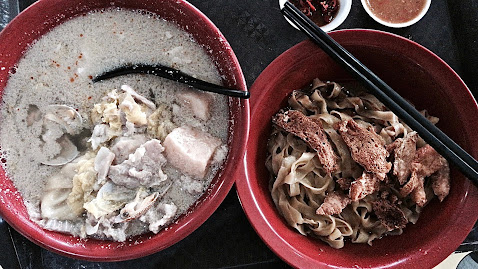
[419, 76]
[46, 14]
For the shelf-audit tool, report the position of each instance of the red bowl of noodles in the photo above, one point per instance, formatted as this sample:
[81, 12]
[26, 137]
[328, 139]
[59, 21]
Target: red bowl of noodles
[419, 76]
[41, 17]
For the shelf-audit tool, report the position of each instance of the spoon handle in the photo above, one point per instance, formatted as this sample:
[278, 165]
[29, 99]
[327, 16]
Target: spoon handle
[172, 74]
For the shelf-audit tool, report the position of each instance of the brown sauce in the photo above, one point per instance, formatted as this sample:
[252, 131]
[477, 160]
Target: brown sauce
[321, 12]
[396, 11]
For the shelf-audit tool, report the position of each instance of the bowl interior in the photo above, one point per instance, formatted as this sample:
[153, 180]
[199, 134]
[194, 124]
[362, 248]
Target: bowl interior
[420, 77]
[46, 14]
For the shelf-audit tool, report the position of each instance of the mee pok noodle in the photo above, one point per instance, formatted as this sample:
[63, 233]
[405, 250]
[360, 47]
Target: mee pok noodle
[344, 167]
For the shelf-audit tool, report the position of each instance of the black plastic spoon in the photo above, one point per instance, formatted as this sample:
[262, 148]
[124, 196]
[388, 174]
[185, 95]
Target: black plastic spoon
[172, 74]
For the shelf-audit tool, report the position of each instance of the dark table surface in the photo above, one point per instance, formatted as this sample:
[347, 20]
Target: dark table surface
[258, 33]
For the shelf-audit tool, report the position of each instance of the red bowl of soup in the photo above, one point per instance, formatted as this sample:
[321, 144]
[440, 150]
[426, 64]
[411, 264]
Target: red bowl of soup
[43, 16]
[419, 76]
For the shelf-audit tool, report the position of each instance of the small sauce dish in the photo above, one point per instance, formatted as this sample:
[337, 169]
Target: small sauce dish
[337, 18]
[396, 14]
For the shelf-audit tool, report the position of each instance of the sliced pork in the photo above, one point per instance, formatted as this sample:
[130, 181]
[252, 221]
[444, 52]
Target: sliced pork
[99, 135]
[367, 184]
[103, 161]
[344, 183]
[425, 163]
[142, 168]
[123, 146]
[311, 132]
[418, 194]
[333, 204]
[441, 182]
[366, 147]
[403, 156]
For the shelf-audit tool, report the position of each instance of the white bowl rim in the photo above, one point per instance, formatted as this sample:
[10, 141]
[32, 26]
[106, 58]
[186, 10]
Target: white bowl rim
[342, 13]
[397, 25]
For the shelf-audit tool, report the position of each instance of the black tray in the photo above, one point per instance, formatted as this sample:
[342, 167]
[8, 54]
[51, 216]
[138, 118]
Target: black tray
[258, 34]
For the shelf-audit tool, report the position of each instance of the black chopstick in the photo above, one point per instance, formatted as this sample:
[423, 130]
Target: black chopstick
[397, 104]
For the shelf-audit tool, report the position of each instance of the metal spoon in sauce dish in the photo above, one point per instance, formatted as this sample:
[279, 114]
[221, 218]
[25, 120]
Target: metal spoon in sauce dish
[172, 74]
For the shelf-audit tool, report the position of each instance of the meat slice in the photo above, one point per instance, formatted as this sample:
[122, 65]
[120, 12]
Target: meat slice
[123, 146]
[198, 102]
[404, 155]
[99, 135]
[394, 145]
[344, 183]
[366, 147]
[441, 182]
[367, 184]
[142, 168]
[425, 163]
[410, 185]
[311, 132]
[333, 204]
[103, 161]
[190, 150]
[389, 214]
[418, 194]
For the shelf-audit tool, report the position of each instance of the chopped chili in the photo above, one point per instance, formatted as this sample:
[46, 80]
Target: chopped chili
[320, 12]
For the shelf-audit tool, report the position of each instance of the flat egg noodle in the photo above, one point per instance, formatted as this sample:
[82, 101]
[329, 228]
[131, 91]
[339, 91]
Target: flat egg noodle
[299, 183]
